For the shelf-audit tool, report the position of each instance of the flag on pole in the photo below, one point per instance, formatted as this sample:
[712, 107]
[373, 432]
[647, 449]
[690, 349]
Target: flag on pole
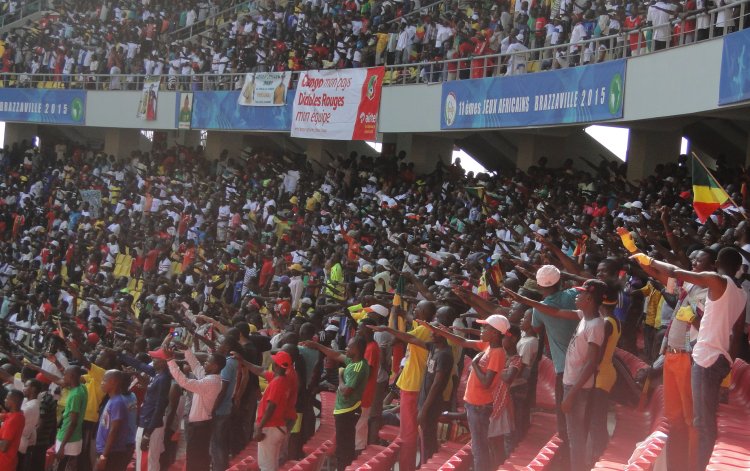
[708, 195]
[397, 322]
[496, 272]
[482, 290]
[580, 245]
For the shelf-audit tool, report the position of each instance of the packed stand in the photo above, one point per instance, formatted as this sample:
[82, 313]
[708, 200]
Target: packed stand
[170, 301]
[128, 39]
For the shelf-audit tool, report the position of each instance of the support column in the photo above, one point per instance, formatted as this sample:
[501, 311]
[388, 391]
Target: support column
[121, 142]
[647, 149]
[217, 141]
[423, 151]
[18, 132]
[527, 150]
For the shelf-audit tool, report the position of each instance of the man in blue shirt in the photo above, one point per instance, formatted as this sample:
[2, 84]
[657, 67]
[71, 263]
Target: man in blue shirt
[559, 331]
[112, 436]
[224, 404]
[149, 438]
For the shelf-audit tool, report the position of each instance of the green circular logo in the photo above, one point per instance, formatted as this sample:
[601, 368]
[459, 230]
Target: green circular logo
[615, 94]
[76, 109]
[371, 87]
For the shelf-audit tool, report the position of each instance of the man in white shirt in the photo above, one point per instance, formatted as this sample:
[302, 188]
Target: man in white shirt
[718, 338]
[30, 409]
[205, 386]
[576, 37]
[517, 58]
[660, 15]
[724, 18]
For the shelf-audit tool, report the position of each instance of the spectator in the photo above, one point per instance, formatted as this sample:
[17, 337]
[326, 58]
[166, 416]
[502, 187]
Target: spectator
[484, 378]
[69, 441]
[435, 395]
[271, 426]
[149, 437]
[352, 383]
[719, 333]
[581, 362]
[112, 437]
[31, 411]
[11, 429]
[205, 386]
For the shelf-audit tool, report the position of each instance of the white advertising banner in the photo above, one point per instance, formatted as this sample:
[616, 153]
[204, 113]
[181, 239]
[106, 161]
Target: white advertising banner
[337, 104]
[265, 89]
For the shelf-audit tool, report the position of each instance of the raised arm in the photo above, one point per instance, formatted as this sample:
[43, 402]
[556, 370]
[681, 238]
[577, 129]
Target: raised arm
[451, 337]
[253, 368]
[402, 336]
[715, 283]
[543, 308]
[334, 355]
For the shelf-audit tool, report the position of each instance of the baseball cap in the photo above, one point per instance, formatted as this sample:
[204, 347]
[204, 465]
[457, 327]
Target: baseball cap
[597, 288]
[159, 354]
[296, 267]
[367, 268]
[547, 275]
[306, 301]
[283, 359]
[93, 337]
[379, 309]
[497, 321]
[43, 378]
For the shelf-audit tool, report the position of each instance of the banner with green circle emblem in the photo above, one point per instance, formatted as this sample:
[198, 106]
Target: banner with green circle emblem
[41, 105]
[589, 93]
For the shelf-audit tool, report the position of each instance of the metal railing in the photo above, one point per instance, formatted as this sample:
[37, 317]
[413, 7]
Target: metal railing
[594, 50]
[24, 10]
[420, 11]
[209, 22]
[590, 51]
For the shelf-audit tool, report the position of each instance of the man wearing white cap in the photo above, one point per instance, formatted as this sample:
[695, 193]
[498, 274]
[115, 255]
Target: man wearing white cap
[559, 331]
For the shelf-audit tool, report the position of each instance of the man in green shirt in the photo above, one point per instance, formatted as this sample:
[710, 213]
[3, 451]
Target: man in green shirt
[69, 436]
[352, 381]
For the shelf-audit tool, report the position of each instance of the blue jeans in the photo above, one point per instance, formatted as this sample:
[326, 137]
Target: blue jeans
[706, 383]
[220, 442]
[578, 428]
[598, 432]
[479, 426]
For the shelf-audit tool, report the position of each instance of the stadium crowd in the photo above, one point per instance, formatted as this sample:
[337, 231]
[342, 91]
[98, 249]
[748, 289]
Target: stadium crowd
[131, 39]
[171, 300]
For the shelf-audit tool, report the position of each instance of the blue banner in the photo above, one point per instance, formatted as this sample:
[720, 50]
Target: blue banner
[41, 105]
[734, 85]
[573, 95]
[219, 110]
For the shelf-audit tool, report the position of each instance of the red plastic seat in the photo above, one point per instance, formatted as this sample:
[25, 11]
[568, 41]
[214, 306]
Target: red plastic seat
[545, 386]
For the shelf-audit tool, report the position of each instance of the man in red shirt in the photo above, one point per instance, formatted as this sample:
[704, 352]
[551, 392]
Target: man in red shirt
[372, 357]
[271, 426]
[11, 430]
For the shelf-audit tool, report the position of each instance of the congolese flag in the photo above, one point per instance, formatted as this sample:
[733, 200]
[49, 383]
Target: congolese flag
[708, 195]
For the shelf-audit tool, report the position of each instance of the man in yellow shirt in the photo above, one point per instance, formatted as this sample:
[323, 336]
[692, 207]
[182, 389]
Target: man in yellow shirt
[410, 381]
[380, 46]
[93, 384]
